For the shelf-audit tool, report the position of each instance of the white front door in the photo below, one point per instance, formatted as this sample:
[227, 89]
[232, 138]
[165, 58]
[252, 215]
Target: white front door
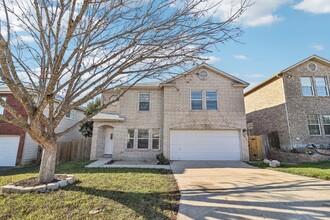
[108, 148]
[204, 145]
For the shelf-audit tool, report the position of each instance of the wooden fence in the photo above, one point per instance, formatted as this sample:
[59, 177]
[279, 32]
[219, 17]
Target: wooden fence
[74, 150]
[256, 147]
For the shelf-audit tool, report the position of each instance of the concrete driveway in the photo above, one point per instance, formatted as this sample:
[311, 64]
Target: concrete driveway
[235, 190]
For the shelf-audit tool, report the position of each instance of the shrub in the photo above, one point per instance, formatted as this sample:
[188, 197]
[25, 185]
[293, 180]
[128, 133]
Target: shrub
[162, 159]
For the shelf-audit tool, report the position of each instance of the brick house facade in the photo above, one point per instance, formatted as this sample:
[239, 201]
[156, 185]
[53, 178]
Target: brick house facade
[171, 114]
[295, 103]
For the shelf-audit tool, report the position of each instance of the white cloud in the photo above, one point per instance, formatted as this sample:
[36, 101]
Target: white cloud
[314, 6]
[211, 59]
[318, 46]
[240, 57]
[261, 12]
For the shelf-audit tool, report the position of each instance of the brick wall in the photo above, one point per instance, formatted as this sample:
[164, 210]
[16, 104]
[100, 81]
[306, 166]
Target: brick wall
[265, 107]
[300, 106]
[178, 113]
[170, 109]
[9, 129]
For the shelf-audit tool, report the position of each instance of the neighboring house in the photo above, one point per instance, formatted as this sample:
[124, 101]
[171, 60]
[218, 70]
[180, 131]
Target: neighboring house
[198, 115]
[16, 146]
[295, 103]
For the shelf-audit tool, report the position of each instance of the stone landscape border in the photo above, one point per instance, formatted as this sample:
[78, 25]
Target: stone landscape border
[11, 188]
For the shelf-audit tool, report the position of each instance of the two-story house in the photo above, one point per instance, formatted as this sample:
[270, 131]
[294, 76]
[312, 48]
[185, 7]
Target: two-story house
[295, 103]
[16, 146]
[198, 115]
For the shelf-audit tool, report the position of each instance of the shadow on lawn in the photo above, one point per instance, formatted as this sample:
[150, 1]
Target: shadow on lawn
[146, 205]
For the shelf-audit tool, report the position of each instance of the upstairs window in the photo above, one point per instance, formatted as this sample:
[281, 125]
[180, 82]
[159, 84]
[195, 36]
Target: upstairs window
[2, 109]
[307, 86]
[144, 101]
[71, 114]
[196, 100]
[313, 124]
[143, 139]
[321, 86]
[211, 100]
[326, 124]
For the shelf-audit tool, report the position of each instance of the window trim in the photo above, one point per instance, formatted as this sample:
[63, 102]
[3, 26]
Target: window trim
[72, 115]
[312, 85]
[323, 124]
[4, 98]
[216, 93]
[319, 124]
[326, 85]
[191, 106]
[152, 139]
[149, 102]
[128, 138]
[137, 139]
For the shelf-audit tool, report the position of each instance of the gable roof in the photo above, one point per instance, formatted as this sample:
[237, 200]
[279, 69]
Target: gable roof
[219, 72]
[280, 74]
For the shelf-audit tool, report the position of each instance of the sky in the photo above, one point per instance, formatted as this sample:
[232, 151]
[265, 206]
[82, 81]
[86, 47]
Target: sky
[277, 34]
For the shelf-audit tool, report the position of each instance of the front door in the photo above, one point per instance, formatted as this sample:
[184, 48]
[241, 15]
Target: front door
[108, 148]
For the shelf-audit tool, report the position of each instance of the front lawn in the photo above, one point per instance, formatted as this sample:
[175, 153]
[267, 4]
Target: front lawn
[319, 170]
[100, 193]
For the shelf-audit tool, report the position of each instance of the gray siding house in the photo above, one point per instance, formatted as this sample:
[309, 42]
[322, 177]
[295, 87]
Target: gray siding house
[198, 115]
[295, 103]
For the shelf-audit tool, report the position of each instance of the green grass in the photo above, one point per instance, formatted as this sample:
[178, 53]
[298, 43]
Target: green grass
[120, 193]
[319, 170]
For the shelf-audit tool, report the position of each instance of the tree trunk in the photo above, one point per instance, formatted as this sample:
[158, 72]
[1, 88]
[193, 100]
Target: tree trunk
[48, 163]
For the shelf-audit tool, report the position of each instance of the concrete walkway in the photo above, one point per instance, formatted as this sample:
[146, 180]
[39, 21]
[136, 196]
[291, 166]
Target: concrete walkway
[235, 190]
[103, 163]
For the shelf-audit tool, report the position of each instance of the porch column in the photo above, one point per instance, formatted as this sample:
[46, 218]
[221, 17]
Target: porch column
[93, 155]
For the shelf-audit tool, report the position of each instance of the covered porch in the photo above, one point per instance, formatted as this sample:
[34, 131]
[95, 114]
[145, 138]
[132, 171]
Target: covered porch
[103, 140]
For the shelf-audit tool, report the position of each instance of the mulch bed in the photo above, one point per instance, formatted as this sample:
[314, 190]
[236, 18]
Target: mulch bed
[33, 181]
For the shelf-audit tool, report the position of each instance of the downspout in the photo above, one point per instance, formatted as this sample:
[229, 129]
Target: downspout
[286, 113]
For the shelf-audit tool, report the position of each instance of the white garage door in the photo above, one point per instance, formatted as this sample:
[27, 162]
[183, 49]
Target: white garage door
[8, 150]
[204, 145]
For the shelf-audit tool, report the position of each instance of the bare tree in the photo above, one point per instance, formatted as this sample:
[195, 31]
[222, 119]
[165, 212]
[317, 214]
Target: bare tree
[79, 48]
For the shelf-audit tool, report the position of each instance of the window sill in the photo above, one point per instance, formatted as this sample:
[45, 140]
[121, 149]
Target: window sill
[146, 150]
[72, 119]
[204, 110]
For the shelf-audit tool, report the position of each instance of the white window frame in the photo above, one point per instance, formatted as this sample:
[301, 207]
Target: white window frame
[312, 86]
[152, 138]
[148, 138]
[72, 115]
[326, 85]
[130, 138]
[216, 99]
[319, 125]
[325, 124]
[2, 109]
[191, 99]
[149, 102]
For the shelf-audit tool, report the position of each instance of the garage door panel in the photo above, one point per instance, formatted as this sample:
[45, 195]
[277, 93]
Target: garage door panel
[204, 145]
[193, 140]
[208, 155]
[8, 150]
